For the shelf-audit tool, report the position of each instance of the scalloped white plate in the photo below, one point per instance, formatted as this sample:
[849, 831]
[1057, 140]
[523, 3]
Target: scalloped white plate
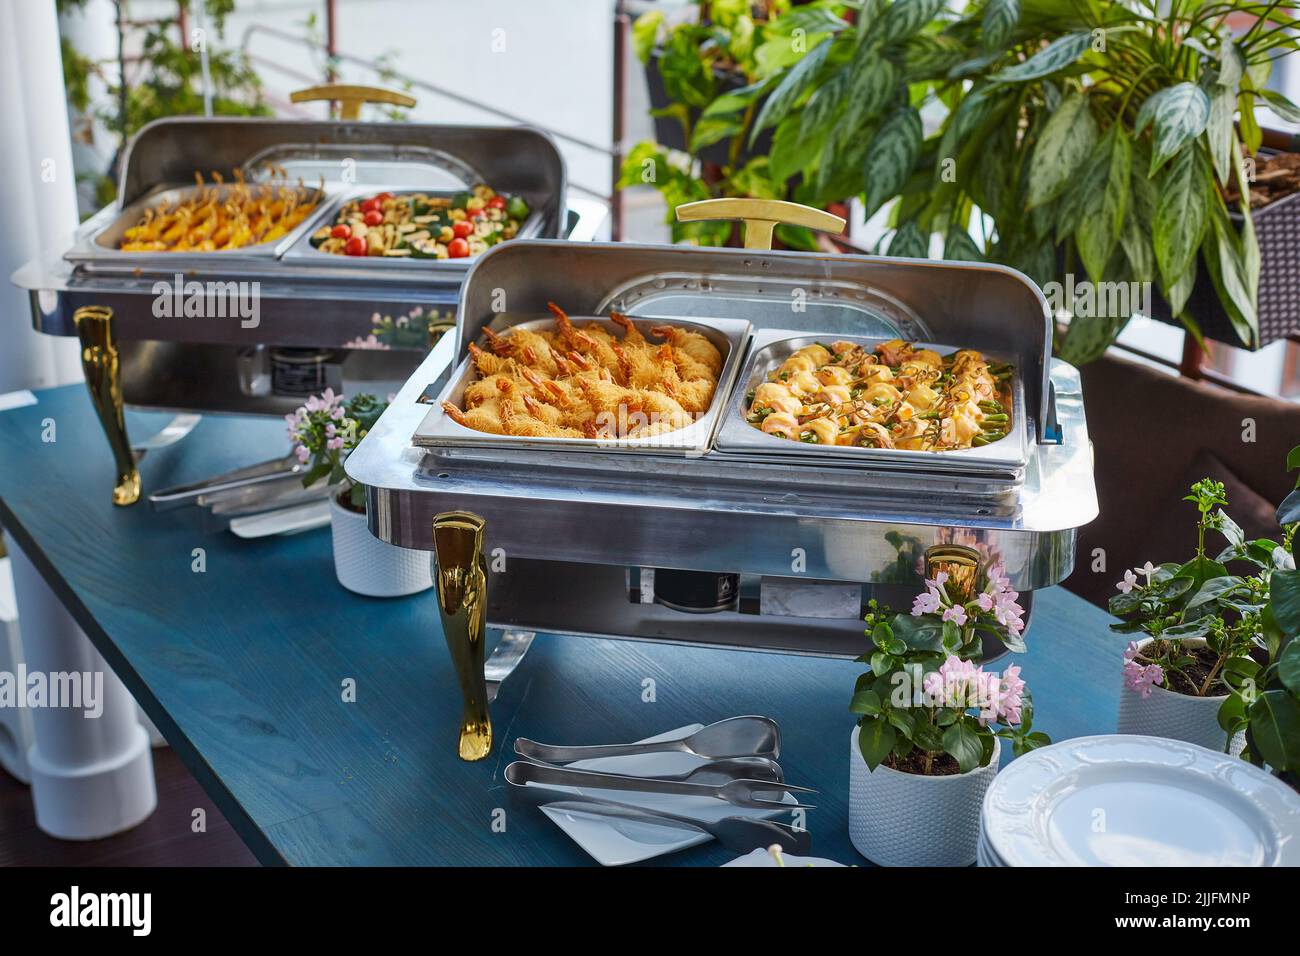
[1122, 800]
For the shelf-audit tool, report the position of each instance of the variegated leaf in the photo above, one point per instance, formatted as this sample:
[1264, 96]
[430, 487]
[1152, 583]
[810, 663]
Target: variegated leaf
[903, 18]
[872, 83]
[909, 242]
[1180, 219]
[931, 55]
[1057, 55]
[1065, 142]
[789, 89]
[890, 156]
[1000, 19]
[958, 245]
[1103, 219]
[1178, 115]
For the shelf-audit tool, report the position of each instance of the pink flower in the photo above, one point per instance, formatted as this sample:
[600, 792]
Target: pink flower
[336, 413]
[1007, 698]
[956, 614]
[334, 444]
[1141, 678]
[927, 602]
[330, 429]
[938, 581]
[1130, 579]
[302, 453]
[985, 601]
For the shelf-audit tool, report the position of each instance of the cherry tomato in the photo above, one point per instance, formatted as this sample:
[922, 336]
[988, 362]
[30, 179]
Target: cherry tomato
[383, 196]
[374, 218]
[369, 204]
[341, 231]
[462, 228]
[496, 202]
[458, 249]
[356, 246]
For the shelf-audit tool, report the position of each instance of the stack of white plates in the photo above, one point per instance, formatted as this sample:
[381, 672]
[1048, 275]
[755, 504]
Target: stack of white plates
[1137, 801]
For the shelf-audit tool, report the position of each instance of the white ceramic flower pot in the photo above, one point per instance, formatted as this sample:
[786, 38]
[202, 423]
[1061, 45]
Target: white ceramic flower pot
[368, 566]
[905, 819]
[1176, 716]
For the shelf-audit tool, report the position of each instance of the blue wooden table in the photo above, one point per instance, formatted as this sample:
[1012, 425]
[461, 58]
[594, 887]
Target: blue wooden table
[242, 668]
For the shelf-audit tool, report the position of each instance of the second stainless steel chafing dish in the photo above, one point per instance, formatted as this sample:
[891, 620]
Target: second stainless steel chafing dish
[256, 329]
[784, 552]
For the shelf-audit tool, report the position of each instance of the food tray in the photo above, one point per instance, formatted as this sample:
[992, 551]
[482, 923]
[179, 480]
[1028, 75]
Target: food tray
[303, 251]
[103, 246]
[770, 347]
[728, 335]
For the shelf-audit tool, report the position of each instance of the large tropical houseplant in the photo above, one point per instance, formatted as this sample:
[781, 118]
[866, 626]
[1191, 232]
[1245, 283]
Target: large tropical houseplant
[1082, 142]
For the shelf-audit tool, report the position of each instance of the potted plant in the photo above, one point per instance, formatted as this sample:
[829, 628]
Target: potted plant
[324, 431]
[928, 738]
[717, 134]
[1099, 139]
[1264, 699]
[1202, 619]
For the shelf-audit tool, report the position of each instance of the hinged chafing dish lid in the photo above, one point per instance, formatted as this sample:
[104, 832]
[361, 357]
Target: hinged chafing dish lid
[963, 304]
[516, 160]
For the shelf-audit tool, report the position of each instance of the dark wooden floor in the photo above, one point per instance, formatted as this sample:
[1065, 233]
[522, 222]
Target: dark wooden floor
[165, 839]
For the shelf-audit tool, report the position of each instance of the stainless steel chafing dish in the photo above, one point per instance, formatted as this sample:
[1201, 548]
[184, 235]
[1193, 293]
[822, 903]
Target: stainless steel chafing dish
[591, 541]
[320, 322]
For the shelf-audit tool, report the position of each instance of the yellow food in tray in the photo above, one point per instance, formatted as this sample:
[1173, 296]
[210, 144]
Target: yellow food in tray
[214, 218]
[588, 382]
[895, 396]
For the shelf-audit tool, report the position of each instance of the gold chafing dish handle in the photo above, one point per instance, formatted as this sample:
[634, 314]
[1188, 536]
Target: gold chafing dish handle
[761, 216]
[102, 367]
[460, 575]
[350, 97]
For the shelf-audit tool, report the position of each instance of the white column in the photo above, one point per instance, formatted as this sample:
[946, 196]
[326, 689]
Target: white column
[15, 722]
[38, 188]
[91, 776]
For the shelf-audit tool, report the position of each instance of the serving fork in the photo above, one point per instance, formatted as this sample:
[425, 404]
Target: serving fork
[740, 792]
[732, 737]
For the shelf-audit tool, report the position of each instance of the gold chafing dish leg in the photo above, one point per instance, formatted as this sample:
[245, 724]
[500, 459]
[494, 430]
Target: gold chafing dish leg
[964, 566]
[102, 367]
[460, 574]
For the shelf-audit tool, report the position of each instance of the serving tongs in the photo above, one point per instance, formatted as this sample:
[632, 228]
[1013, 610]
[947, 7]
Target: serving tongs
[749, 736]
[262, 483]
[738, 792]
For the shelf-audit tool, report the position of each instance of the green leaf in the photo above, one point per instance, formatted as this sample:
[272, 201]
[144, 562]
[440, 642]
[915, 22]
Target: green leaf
[875, 739]
[1284, 599]
[1219, 132]
[911, 243]
[1288, 512]
[903, 721]
[792, 85]
[1288, 667]
[711, 129]
[1180, 216]
[1282, 106]
[931, 55]
[819, 113]
[1103, 221]
[964, 744]
[890, 157]
[903, 18]
[1231, 261]
[1179, 114]
[1232, 714]
[865, 702]
[1000, 19]
[1215, 588]
[1088, 338]
[645, 32]
[1065, 142]
[960, 247]
[1275, 729]
[873, 82]
[1057, 55]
